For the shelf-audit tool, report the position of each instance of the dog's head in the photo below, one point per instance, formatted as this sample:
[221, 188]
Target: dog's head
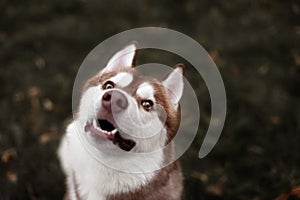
[122, 109]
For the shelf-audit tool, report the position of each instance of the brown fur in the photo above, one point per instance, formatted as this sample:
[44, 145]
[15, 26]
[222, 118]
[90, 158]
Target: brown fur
[167, 183]
[160, 94]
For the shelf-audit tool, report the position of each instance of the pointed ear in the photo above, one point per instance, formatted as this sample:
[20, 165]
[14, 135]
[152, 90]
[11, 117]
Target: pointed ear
[173, 84]
[125, 58]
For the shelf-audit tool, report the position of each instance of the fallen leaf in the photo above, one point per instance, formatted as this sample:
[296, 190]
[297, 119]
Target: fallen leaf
[12, 177]
[287, 195]
[48, 105]
[33, 91]
[7, 155]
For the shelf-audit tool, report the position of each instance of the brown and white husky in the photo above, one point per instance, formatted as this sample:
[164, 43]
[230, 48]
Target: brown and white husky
[124, 116]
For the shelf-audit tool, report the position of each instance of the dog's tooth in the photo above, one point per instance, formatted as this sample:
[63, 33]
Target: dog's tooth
[114, 131]
[95, 124]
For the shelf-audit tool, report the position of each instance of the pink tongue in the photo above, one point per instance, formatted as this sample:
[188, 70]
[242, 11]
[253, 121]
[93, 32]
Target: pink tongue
[89, 127]
[110, 136]
[124, 144]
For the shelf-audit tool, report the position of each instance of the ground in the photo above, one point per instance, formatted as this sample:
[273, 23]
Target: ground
[255, 44]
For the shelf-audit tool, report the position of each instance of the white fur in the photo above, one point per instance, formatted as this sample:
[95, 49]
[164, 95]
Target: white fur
[138, 123]
[122, 79]
[134, 122]
[96, 180]
[96, 173]
[123, 58]
[174, 85]
[146, 91]
[101, 168]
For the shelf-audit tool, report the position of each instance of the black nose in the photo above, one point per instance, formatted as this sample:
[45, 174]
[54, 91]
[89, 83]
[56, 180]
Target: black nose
[114, 100]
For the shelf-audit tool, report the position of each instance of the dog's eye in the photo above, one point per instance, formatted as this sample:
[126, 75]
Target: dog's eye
[108, 85]
[147, 104]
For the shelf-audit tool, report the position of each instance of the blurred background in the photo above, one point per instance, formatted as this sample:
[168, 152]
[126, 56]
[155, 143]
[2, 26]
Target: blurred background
[255, 45]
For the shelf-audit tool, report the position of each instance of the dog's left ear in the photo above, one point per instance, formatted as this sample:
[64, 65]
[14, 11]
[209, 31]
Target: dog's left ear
[125, 58]
[173, 84]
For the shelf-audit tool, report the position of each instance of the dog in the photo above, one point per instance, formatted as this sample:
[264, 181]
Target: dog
[125, 117]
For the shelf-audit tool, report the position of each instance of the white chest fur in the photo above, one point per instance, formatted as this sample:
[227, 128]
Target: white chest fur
[95, 180]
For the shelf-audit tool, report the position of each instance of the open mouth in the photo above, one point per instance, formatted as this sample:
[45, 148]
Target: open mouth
[105, 129]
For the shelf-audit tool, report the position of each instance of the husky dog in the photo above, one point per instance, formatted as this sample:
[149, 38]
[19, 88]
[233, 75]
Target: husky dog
[125, 116]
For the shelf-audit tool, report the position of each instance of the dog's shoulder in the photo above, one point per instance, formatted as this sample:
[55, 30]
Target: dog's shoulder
[166, 184]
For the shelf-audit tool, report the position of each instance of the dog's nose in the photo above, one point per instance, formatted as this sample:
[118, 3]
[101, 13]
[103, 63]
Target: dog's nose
[114, 100]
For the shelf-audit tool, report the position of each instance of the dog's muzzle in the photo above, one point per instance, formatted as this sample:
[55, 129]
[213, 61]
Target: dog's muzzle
[104, 125]
[115, 101]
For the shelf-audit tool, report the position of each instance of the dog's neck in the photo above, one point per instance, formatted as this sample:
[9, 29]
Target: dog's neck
[154, 188]
[92, 178]
[151, 184]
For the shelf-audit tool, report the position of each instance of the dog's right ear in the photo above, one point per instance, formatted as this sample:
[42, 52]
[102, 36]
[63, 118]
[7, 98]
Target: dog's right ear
[174, 84]
[125, 58]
